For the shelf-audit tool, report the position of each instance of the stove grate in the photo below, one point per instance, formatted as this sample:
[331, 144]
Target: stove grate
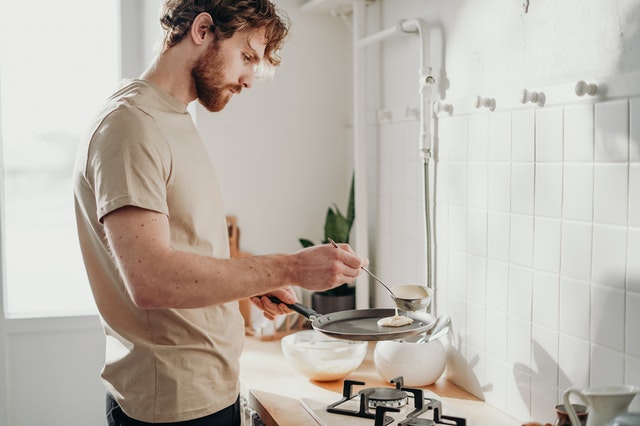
[422, 404]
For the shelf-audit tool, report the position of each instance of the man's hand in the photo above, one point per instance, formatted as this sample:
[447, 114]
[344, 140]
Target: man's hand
[270, 309]
[322, 267]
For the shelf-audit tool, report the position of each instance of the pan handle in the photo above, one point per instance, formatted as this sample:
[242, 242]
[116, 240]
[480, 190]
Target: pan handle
[303, 310]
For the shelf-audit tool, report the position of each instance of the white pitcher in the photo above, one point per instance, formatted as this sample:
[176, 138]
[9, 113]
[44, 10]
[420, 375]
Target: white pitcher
[604, 403]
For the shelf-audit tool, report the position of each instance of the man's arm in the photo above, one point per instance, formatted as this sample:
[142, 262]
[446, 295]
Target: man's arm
[158, 276]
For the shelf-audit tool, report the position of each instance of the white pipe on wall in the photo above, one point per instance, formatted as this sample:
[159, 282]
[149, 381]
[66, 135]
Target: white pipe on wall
[380, 35]
[361, 224]
[425, 83]
[425, 78]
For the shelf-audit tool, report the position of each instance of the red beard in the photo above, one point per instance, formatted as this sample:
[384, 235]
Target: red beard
[207, 73]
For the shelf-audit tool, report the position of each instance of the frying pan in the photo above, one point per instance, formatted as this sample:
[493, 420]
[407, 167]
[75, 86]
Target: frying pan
[362, 324]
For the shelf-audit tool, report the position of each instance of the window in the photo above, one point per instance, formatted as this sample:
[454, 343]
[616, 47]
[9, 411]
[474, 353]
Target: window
[58, 63]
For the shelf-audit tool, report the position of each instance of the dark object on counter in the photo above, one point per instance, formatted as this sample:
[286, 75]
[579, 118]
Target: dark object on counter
[563, 417]
[362, 324]
[327, 303]
[625, 419]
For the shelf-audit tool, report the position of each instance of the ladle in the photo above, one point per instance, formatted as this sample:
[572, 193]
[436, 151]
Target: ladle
[407, 297]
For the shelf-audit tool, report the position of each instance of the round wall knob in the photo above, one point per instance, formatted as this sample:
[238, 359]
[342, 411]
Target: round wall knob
[486, 103]
[443, 107]
[533, 97]
[384, 115]
[413, 113]
[584, 88]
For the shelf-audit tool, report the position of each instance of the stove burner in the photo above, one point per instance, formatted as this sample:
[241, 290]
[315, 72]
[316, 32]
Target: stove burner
[387, 397]
[410, 421]
[389, 400]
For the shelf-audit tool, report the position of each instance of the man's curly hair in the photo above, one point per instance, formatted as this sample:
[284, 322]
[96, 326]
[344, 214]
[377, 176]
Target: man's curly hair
[228, 17]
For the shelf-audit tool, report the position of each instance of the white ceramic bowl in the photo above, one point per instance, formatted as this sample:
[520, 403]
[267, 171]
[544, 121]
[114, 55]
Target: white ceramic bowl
[321, 357]
[420, 364]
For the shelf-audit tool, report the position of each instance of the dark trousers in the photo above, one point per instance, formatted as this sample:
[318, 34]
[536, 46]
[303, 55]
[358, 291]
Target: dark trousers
[229, 416]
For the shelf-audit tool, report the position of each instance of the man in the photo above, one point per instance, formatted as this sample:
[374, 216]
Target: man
[152, 227]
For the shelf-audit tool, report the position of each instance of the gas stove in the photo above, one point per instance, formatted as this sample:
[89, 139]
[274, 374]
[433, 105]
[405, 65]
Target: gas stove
[382, 406]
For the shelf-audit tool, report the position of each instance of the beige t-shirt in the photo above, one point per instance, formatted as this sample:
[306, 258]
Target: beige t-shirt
[162, 365]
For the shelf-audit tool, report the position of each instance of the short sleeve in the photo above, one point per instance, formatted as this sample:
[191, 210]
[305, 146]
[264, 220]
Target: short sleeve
[129, 162]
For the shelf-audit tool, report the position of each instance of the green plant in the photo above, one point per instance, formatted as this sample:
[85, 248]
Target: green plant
[337, 227]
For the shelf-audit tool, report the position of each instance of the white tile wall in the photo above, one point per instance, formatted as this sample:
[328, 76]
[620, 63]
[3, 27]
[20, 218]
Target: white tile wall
[523, 136]
[634, 193]
[538, 241]
[632, 312]
[606, 367]
[520, 292]
[634, 129]
[545, 299]
[545, 354]
[521, 241]
[498, 225]
[607, 317]
[522, 188]
[577, 193]
[549, 135]
[495, 391]
[610, 193]
[548, 189]
[578, 133]
[575, 303]
[498, 191]
[574, 355]
[496, 339]
[608, 263]
[500, 137]
[611, 132]
[633, 266]
[546, 244]
[497, 285]
[576, 250]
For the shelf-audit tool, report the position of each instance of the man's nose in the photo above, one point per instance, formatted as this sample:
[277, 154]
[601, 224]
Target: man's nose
[246, 80]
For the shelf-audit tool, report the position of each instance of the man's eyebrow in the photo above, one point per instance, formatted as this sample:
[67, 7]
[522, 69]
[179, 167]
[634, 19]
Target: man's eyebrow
[254, 55]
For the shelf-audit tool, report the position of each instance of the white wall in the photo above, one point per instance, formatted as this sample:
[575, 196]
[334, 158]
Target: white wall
[53, 372]
[281, 149]
[536, 223]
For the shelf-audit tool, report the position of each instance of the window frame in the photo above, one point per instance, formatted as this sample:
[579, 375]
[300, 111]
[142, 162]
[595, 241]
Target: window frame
[137, 33]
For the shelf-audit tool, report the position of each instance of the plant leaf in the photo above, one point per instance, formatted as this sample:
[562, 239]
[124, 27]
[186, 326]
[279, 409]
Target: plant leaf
[336, 226]
[306, 243]
[351, 209]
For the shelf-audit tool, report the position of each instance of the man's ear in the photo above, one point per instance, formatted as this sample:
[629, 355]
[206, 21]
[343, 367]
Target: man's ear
[201, 27]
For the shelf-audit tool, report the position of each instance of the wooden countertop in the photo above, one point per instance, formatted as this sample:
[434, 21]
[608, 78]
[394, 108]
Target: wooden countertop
[274, 389]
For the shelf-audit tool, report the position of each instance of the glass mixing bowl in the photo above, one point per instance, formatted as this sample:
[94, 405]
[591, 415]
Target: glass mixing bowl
[320, 357]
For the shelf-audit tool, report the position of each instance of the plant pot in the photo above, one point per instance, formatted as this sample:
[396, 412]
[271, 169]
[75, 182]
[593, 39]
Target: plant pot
[325, 304]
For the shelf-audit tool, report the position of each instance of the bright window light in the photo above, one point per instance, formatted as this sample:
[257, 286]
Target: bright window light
[58, 63]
